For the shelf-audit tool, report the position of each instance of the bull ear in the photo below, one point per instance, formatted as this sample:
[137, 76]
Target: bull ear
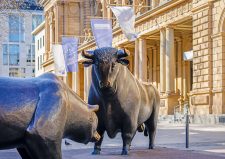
[93, 108]
[121, 54]
[123, 61]
[85, 62]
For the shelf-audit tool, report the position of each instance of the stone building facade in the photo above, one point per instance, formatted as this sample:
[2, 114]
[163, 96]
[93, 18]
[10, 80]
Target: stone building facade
[16, 42]
[167, 29]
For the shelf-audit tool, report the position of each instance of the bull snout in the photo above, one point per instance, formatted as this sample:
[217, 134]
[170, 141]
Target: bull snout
[104, 84]
[96, 137]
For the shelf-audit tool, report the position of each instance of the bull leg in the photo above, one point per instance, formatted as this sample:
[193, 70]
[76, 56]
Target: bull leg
[97, 147]
[40, 148]
[128, 133]
[23, 153]
[151, 124]
[127, 138]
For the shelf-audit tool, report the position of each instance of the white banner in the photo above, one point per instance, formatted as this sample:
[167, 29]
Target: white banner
[102, 31]
[188, 55]
[59, 60]
[126, 19]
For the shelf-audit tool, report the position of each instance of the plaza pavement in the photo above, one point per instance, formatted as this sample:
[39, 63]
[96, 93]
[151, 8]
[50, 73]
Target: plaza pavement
[206, 142]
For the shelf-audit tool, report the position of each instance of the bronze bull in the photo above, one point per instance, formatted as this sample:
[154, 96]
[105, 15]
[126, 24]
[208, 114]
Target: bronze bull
[36, 113]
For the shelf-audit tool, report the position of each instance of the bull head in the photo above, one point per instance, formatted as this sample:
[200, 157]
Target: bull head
[89, 57]
[106, 64]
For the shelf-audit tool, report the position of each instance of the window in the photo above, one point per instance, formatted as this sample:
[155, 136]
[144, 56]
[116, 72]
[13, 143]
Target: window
[43, 40]
[40, 61]
[5, 54]
[30, 55]
[33, 52]
[16, 28]
[22, 29]
[13, 72]
[10, 54]
[13, 54]
[38, 64]
[40, 43]
[36, 20]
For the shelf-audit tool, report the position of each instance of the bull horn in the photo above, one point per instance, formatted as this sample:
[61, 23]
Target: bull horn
[93, 108]
[122, 53]
[88, 55]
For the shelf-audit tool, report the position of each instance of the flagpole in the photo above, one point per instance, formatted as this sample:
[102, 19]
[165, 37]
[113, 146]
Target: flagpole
[75, 36]
[121, 5]
[93, 17]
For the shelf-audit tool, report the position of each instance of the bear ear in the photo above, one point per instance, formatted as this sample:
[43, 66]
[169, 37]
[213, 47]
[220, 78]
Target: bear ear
[93, 108]
[124, 62]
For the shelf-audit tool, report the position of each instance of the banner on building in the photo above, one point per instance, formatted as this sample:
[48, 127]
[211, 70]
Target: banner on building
[126, 18]
[102, 31]
[59, 61]
[70, 51]
[188, 55]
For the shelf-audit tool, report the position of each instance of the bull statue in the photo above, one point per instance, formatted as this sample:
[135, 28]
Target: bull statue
[124, 102]
[36, 113]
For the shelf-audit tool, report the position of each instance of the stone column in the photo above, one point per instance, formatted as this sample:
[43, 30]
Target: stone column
[135, 3]
[170, 60]
[87, 82]
[184, 81]
[123, 2]
[50, 20]
[142, 59]
[76, 82]
[180, 59]
[153, 3]
[150, 57]
[155, 66]
[162, 60]
[47, 38]
[136, 59]
[104, 9]
[109, 12]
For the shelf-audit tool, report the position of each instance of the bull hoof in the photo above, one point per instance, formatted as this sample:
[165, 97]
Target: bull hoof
[151, 147]
[124, 152]
[96, 152]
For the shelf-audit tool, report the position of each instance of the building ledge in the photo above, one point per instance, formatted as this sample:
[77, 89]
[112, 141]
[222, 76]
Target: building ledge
[48, 62]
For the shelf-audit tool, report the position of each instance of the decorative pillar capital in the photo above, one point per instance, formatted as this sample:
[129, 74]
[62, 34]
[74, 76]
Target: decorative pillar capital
[170, 26]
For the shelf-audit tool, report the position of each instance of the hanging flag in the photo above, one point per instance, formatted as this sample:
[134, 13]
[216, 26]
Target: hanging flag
[59, 61]
[70, 47]
[126, 19]
[188, 55]
[102, 31]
